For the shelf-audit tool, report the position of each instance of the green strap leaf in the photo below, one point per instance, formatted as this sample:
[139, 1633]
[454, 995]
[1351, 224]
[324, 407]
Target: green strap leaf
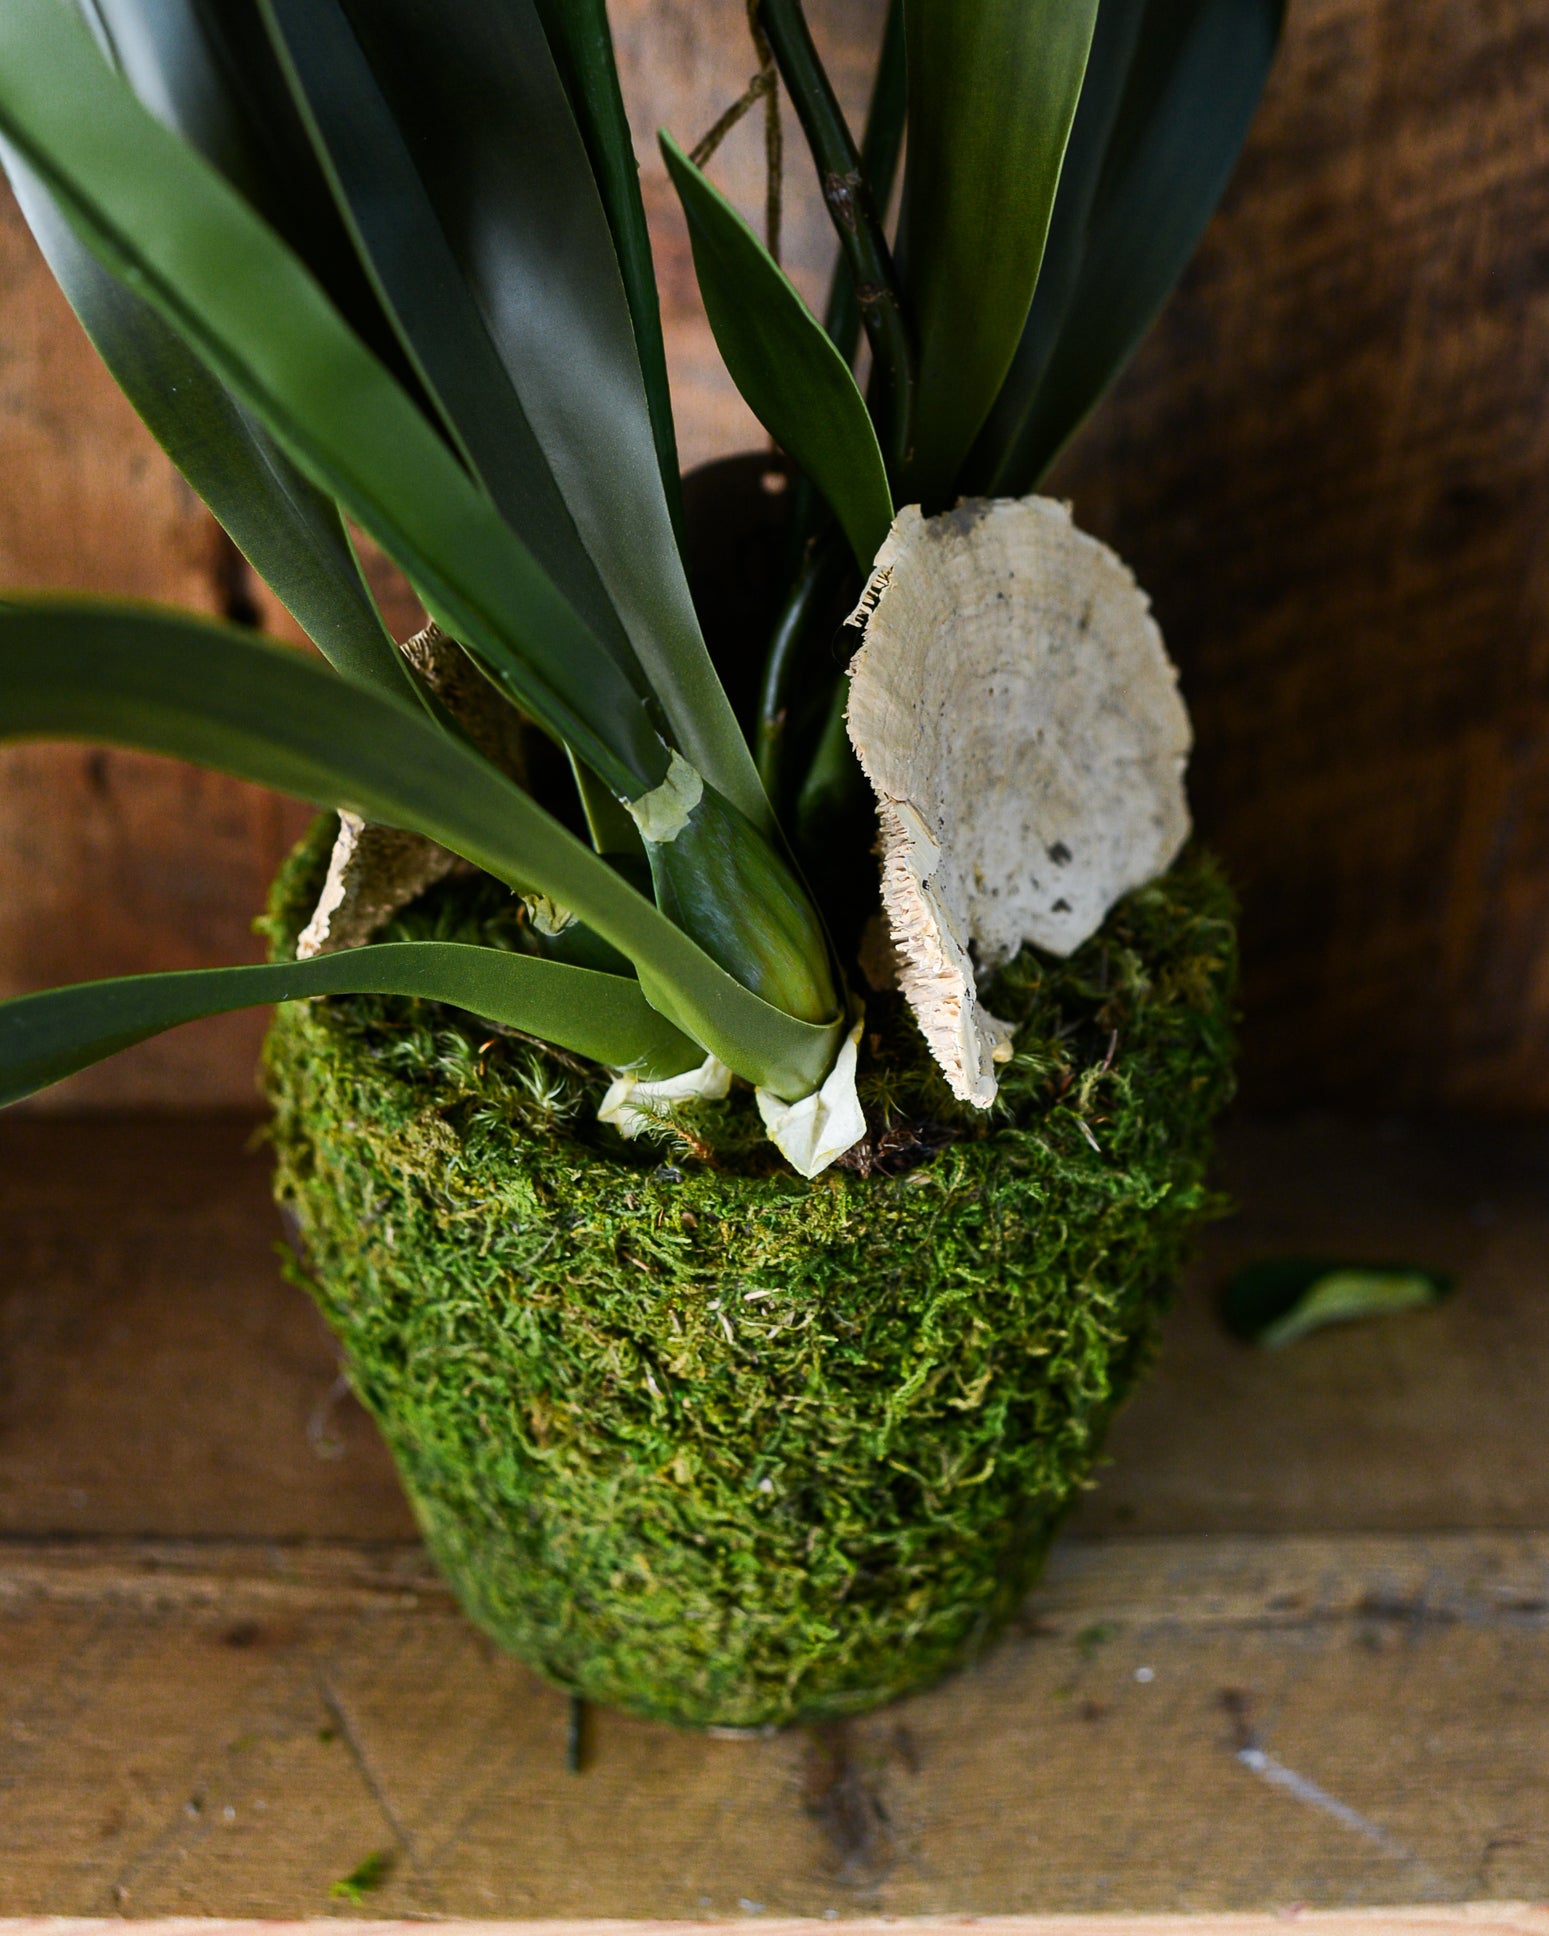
[476, 91]
[1107, 74]
[170, 683]
[781, 359]
[1171, 89]
[288, 531]
[161, 218]
[204, 68]
[993, 86]
[45, 1037]
[582, 45]
[422, 287]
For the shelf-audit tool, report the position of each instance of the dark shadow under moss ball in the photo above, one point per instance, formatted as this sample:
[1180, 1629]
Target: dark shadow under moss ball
[700, 1439]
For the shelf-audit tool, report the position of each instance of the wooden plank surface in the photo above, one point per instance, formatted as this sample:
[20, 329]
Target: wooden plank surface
[1462, 1919]
[1181, 1724]
[1294, 1651]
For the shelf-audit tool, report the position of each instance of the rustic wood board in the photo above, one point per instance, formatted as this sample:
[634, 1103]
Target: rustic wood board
[1295, 1650]
[1462, 1919]
[1181, 1724]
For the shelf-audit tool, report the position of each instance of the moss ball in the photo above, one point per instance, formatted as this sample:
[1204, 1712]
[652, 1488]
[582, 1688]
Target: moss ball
[700, 1439]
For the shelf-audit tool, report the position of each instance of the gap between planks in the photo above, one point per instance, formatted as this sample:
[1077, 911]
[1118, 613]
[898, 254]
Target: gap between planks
[1200, 1581]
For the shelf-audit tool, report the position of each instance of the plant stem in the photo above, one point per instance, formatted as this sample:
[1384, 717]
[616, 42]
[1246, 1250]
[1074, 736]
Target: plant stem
[848, 197]
[881, 146]
[826, 559]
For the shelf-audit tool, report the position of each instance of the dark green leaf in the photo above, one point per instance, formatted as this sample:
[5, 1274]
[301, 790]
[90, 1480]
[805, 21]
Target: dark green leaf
[582, 45]
[289, 532]
[45, 1037]
[1107, 74]
[173, 684]
[205, 70]
[158, 216]
[482, 107]
[423, 290]
[1275, 1302]
[993, 86]
[858, 223]
[1172, 87]
[794, 380]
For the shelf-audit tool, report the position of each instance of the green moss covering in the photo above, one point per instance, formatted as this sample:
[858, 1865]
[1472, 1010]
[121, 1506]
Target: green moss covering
[709, 1442]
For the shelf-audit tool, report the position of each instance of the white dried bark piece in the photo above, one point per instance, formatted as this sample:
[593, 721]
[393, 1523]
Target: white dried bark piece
[1017, 715]
[374, 871]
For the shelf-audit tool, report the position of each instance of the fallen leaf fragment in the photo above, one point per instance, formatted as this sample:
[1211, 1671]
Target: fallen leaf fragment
[1274, 1302]
[1017, 715]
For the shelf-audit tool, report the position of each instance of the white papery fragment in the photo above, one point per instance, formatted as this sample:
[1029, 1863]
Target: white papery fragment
[663, 813]
[549, 918]
[632, 1105]
[819, 1129]
[1017, 715]
[372, 872]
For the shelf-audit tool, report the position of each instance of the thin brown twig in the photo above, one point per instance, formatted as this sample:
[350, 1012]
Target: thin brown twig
[765, 87]
[705, 147]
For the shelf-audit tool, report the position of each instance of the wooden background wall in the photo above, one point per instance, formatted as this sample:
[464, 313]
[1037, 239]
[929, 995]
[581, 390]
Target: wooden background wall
[1330, 466]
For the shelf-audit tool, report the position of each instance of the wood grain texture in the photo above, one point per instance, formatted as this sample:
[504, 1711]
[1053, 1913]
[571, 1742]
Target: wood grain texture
[1330, 467]
[1460, 1919]
[1293, 1650]
[1179, 1725]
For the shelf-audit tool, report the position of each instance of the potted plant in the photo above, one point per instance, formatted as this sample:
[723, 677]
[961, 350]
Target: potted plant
[742, 1266]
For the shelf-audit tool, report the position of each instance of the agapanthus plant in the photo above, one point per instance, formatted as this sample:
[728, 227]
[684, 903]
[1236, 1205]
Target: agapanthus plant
[383, 265]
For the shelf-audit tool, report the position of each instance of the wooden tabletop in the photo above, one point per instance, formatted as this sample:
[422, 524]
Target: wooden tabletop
[1294, 1650]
